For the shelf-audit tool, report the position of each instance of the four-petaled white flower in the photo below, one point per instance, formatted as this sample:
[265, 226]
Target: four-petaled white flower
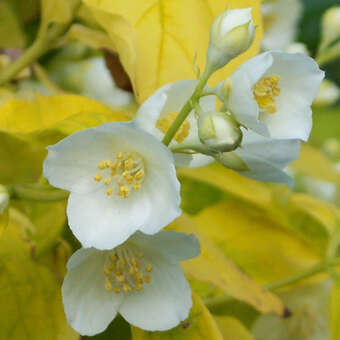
[280, 20]
[272, 94]
[121, 179]
[267, 157]
[141, 279]
[159, 111]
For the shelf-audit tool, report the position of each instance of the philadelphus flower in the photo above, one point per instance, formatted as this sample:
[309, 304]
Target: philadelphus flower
[159, 111]
[272, 94]
[232, 33]
[262, 158]
[280, 19]
[141, 279]
[121, 180]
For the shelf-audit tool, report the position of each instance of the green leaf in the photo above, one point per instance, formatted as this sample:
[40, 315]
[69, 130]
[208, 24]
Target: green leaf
[31, 307]
[335, 310]
[200, 325]
[9, 23]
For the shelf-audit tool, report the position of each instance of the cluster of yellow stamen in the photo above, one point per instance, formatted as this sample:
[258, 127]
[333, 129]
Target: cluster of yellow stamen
[126, 270]
[265, 91]
[163, 124]
[121, 175]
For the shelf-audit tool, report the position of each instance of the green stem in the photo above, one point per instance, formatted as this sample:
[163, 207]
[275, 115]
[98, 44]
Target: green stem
[186, 109]
[214, 304]
[36, 193]
[42, 44]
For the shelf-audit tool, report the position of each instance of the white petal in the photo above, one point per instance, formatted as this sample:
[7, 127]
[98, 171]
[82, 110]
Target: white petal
[88, 306]
[163, 303]
[241, 100]
[173, 246]
[300, 80]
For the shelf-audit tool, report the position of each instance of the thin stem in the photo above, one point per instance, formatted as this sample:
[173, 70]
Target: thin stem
[36, 50]
[35, 193]
[41, 74]
[214, 304]
[186, 109]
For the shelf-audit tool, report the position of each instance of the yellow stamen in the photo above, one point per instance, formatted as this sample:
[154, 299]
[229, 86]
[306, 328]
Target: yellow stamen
[109, 192]
[98, 177]
[107, 181]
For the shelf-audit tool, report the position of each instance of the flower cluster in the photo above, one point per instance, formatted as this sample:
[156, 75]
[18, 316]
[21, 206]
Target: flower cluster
[123, 185]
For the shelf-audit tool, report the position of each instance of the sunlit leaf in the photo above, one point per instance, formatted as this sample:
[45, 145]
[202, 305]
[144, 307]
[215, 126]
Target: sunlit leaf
[27, 127]
[335, 310]
[232, 329]
[200, 325]
[166, 36]
[262, 248]
[213, 267]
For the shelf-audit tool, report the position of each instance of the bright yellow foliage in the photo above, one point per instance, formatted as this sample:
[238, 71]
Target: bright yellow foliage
[232, 329]
[158, 40]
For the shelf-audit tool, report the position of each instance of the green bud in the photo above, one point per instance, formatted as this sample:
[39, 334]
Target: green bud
[219, 131]
[232, 161]
[330, 26]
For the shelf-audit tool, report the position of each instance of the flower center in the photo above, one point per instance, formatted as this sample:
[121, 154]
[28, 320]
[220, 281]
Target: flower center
[121, 175]
[126, 270]
[163, 124]
[265, 91]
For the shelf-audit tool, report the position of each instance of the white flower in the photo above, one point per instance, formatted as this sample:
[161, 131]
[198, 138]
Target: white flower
[280, 19]
[231, 34]
[272, 94]
[141, 280]
[121, 180]
[159, 111]
[264, 157]
[297, 47]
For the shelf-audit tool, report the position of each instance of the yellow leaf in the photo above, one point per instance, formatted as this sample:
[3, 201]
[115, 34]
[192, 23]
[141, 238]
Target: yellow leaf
[213, 267]
[335, 310]
[232, 329]
[157, 40]
[31, 306]
[27, 127]
[230, 182]
[200, 325]
[3, 221]
[262, 248]
[312, 162]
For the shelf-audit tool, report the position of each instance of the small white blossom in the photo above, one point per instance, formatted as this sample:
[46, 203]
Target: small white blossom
[262, 158]
[121, 180]
[280, 20]
[272, 94]
[232, 33]
[141, 280]
[159, 111]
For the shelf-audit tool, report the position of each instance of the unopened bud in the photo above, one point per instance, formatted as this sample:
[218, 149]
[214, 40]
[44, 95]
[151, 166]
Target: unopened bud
[232, 33]
[232, 161]
[330, 26]
[219, 131]
[4, 199]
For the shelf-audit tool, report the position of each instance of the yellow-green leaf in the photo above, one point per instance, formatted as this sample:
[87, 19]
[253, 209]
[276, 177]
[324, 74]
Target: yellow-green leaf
[157, 40]
[27, 127]
[312, 162]
[213, 267]
[3, 221]
[264, 249]
[232, 329]
[200, 325]
[335, 310]
[10, 23]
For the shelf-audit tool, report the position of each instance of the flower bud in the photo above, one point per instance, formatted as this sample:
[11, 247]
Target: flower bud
[330, 26]
[231, 34]
[219, 131]
[4, 199]
[232, 161]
